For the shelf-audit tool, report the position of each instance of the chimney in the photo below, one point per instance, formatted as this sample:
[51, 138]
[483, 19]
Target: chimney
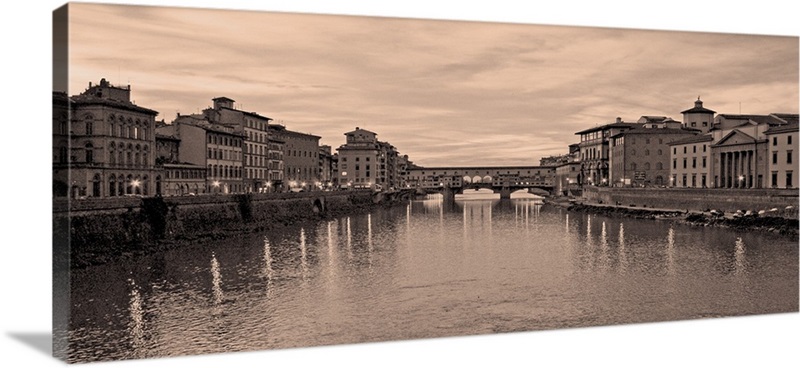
[619, 119]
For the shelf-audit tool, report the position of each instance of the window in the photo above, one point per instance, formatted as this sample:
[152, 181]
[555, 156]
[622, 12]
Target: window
[647, 166]
[659, 166]
[89, 153]
[694, 180]
[674, 150]
[789, 140]
[694, 162]
[774, 179]
[694, 149]
[788, 179]
[89, 128]
[684, 180]
[774, 141]
[705, 123]
[704, 162]
[684, 149]
[660, 152]
[694, 124]
[704, 148]
[674, 163]
[647, 152]
[703, 181]
[774, 157]
[788, 157]
[684, 163]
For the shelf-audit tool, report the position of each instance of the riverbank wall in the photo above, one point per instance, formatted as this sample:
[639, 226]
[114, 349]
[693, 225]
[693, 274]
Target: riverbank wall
[96, 231]
[693, 199]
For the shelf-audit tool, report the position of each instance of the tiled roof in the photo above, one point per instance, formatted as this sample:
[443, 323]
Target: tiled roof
[786, 128]
[609, 126]
[692, 139]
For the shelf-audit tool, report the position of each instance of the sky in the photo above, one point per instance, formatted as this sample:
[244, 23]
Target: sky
[446, 93]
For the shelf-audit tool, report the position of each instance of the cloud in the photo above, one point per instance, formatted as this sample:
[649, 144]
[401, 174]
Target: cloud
[443, 92]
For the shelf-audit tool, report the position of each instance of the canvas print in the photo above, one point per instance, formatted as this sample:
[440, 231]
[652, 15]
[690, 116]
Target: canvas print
[228, 181]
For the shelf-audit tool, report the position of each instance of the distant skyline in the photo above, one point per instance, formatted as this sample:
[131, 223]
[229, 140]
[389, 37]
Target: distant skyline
[446, 93]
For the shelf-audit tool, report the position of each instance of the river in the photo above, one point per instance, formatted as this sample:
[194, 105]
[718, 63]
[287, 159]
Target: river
[427, 269]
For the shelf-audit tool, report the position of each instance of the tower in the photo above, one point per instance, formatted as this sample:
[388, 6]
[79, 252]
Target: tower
[698, 117]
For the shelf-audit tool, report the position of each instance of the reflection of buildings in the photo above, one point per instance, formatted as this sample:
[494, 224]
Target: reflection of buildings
[102, 144]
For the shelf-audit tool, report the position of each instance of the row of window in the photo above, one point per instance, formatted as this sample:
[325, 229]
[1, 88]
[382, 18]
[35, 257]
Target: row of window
[659, 166]
[685, 149]
[775, 140]
[224, 140]
[775, 157]
[257, 137]
[223, 154]
[694, 163]
[225, 171]
[300, 173]
[184, 174]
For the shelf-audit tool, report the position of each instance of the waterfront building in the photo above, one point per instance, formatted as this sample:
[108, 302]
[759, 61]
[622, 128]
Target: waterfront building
[594, 150]
[216, 147]
[255, 150]
[640, 157]
[365, 162]
[568, 172]
[103, 144]
[782, 159]
[326, 164]
[300, 157]
[736, 151]
[358, 158]
[275, 163]
[178, 178]
[690, 162]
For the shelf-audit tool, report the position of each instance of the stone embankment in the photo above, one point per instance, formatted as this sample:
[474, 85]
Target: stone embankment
[771, 222]
[91, 232]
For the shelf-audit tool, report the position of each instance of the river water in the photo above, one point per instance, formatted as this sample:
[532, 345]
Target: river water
[428, 269]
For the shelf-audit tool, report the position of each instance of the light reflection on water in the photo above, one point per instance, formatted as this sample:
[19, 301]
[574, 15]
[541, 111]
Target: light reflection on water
[430, 268]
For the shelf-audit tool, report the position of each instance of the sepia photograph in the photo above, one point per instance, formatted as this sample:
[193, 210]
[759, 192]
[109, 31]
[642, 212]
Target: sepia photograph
[271, 181]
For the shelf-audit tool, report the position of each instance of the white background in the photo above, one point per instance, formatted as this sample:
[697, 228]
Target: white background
[25, 251]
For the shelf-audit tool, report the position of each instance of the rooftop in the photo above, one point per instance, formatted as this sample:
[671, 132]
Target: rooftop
[692, 139]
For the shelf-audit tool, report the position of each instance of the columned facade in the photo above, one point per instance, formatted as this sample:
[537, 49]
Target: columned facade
[738, 168]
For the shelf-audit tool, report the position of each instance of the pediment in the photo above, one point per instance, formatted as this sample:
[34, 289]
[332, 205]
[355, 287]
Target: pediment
[735, 137]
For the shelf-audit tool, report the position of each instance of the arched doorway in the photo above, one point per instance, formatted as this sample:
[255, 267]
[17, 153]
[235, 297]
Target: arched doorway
[96, 185]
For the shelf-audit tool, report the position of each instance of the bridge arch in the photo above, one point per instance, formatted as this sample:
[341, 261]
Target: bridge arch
[467, 179]
[487, 179]
[476, 179]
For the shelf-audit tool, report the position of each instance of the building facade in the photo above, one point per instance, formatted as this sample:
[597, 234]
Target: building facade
[217, 147]
[782, 164]
[103, 144]
[735, 153]
[640, 157]
[326, 167]
[255, 151]
[690, 162]
[300, 157]
[358, 158]
[595, 151]
[177, 178]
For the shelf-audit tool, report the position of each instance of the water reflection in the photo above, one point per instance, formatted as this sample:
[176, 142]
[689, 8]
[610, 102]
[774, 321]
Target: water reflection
[621, 253]
[269, 272]
[137, 326]
[216, 284]
[671, 251]
[499, 265]
[739, 260]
